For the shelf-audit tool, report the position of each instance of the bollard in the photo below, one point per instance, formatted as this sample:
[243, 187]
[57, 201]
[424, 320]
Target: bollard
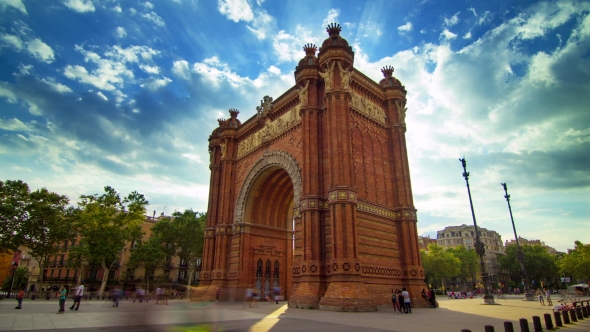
[524, 325]
[566, 318]
[548, 322]
[537, 324]
[584, 311]
[557, 317]
[488, 328]
[573, 315]
[579, 313]
[508, 327]
[465, 330]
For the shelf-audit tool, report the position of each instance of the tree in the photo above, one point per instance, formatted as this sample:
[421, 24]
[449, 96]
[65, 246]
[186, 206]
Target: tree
[21, 276]
[576, 262]
[439, 264]
[149, 254]
[14, 197]
[49, 223]
[469, 259]
[539, 264]
[106, 224]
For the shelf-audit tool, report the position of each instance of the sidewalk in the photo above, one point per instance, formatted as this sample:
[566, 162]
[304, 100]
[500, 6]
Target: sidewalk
[453, 315]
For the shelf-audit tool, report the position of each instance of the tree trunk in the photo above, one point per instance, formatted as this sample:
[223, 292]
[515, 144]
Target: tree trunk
[105, 278]
[81, 273]
[191, 271]
[41, 275]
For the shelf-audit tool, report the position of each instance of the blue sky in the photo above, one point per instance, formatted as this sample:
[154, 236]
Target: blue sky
[126, 93]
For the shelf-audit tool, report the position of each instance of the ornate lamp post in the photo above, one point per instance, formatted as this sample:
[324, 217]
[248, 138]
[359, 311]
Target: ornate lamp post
[13, 267]
[479, 247]
[528, 295]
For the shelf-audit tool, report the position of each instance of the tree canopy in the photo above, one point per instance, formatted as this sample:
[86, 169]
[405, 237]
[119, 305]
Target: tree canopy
[576, 262]
[439, 264]
[539, 264]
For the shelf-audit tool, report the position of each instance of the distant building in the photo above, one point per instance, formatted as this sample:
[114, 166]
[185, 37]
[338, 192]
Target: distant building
[464, 235]
[424, 241]
[522, 241]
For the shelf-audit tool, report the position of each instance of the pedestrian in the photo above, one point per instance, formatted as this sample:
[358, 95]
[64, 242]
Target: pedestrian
[424, 294]
[277, 291]
[407, 305]
[548, 297]
[62, 300]
[394, 301]
[19, 298]
[248, 297]
[540, 297]
[432, 298]
[78, 296]
[158, 294]
[400, 300]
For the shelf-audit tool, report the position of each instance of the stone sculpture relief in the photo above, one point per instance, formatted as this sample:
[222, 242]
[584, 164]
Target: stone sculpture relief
[367, 107]
[303, 95]
[328, 76]
[401, 108]
[265, 106]
[271, 129]
[346, 76]
[223, 148]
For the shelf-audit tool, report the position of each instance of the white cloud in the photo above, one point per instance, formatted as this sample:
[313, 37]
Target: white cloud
[25, 69]
[236, 10]
[180, 69]
[80, 6]
[154, 18]
[289, 47]
[274, 70]
[13, 124]
[120, 32]
[12, 40]
[101, 95]
[448, 35]
[471, 9]
[118, 9]
[132, 53]
[332, 17]
[467, 35]
[150, 69]
[405, 28]
[40, 51]
[18, 4]
[6, 92]
[261, 24]
[148, 5]
[20, 169]
[155, 84]
[133, 11]
[449, 22]
[58, 87]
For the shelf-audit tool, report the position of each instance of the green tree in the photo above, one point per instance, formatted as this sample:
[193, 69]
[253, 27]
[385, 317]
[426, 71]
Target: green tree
[576, 262]
[14, 198]
[539, 264]
[469, 266]
[21, 276]
[49, 223]
[149, 254]
[439, 264]
[106, 224]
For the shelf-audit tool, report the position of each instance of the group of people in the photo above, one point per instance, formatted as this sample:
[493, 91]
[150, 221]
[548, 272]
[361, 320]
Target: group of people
[252, 296]
[544, 292]
[401, 301]
[430, 296]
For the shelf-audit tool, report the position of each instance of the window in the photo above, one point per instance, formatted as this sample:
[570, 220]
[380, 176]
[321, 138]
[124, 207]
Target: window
[199, 262]
[468, 242]
[197, 275]
[51, 275]
[92, 274]
[59, 273]
[112, 273]
[182, 275]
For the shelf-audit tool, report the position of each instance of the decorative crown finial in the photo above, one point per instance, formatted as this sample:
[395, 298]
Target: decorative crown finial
[310, 49]
[334, 29]
[221, 121]
[233, 112]
[387, 71]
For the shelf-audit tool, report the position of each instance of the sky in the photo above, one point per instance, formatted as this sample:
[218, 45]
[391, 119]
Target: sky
[125, 93]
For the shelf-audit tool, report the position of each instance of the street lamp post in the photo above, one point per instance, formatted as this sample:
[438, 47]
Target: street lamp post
[13, 266]
[479, 247]
[528, 295]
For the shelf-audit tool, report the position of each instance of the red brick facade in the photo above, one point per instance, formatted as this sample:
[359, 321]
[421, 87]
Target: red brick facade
[312, 194]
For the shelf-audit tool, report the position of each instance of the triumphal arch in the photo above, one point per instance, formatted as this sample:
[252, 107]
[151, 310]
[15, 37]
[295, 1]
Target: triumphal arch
[312, 194]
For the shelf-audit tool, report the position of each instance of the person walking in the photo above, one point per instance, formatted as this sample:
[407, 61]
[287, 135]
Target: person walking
[548, 297]
[19, 298]
[432, 298]
[540, 293]
[407, 305]
[62, 300]
[78, 296]
[394, 301]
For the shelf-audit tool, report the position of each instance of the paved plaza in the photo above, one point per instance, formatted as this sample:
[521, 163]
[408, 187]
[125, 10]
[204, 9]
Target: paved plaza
[182, 315]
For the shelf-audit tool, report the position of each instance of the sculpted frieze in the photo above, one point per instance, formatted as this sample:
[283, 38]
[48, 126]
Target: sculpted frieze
[367, 107]
[270, 130]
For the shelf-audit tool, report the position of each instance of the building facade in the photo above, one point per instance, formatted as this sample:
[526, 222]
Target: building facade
[424, 241]
[522, 241]
[58, 272]
[464, 235]
[312, 194]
